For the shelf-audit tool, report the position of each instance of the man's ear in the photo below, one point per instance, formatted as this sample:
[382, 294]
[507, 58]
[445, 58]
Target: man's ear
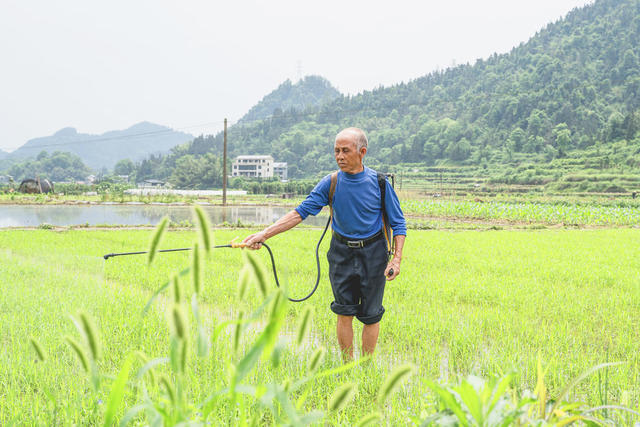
[363, 151]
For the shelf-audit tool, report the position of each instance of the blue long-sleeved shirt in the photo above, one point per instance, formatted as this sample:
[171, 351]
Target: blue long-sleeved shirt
[357, 213]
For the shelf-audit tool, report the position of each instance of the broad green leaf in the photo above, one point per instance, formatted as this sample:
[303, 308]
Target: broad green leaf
[117, 391]
[470, 398]
[449, 401]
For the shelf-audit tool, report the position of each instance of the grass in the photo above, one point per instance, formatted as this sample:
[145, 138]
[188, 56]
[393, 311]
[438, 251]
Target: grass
[467, 302]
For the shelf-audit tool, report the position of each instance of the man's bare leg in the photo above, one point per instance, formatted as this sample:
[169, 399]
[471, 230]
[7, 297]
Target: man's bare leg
[370, 338]
[345, 336]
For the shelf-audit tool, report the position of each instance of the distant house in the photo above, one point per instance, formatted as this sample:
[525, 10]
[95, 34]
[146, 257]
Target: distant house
[280, 169]
[253, 166]
[6, 179]
[151, 183]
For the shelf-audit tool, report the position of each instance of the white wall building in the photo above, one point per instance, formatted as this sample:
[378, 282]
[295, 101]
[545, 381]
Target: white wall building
[280, 169]
[253, 166]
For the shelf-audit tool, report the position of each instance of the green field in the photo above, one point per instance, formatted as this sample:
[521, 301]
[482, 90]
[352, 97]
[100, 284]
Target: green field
[482, 303]
[597, 214]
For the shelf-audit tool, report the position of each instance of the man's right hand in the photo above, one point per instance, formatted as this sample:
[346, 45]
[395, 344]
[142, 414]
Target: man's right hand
[255, 241]
[288, 221]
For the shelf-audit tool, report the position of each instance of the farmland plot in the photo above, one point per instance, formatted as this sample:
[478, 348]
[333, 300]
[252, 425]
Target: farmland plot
[482, 303]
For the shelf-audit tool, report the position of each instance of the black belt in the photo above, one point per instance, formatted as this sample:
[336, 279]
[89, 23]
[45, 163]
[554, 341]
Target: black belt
[358, 243]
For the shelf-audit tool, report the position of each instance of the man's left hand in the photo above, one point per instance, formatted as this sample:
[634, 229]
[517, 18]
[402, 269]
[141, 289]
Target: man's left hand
[395, 265]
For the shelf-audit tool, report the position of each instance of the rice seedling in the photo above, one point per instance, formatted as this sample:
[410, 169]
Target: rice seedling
[467, 303]
[179, 407]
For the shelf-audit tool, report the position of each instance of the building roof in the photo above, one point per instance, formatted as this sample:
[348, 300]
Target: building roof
[254, 157]
[279, 164]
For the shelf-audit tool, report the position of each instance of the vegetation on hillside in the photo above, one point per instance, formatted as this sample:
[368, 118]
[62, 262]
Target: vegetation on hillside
[571, 92]
[289, 97]
[58, 167]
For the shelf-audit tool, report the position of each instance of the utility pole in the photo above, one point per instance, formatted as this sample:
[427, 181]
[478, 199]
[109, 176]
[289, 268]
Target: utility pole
[224, 167]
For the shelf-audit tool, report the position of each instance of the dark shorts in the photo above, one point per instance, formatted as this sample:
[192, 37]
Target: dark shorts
[357, 279]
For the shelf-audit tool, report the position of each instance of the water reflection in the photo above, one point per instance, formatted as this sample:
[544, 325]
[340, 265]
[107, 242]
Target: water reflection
[34, 215]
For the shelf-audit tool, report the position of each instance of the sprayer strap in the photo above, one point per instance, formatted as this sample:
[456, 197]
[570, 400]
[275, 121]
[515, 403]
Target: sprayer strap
[332, 191]
[386, 228]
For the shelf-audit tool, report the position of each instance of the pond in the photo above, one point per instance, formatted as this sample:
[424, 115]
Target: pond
[138, 214]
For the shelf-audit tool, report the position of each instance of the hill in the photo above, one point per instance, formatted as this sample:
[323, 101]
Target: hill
[197, 164]
[308, 92]
[105, 150]
[561, 111]
[568, 97]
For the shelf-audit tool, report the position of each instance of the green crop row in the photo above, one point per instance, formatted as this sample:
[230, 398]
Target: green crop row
[569, 214]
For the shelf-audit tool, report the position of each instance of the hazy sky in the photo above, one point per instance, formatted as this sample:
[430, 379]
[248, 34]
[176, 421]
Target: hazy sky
[107, 65]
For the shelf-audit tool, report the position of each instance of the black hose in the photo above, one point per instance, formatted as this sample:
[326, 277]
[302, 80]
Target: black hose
[273, 262]
[275, 274]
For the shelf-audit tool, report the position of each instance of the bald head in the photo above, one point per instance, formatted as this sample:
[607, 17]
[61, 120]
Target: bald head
[357, 135]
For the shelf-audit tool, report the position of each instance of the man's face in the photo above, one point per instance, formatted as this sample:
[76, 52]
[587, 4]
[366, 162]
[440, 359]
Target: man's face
[348, 158]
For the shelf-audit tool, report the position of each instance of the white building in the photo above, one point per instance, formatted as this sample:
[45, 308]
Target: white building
[280, 169]
[253, 166]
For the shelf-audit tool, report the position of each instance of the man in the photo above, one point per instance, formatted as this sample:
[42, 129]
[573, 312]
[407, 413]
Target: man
[358, 257]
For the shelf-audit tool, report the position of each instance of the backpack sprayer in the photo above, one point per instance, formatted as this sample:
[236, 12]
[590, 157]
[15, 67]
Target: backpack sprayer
[386, 229]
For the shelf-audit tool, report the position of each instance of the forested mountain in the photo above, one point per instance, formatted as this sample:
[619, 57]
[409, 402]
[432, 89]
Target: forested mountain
[308, 92]
[567, 99]
[103, 151]
[572, 85]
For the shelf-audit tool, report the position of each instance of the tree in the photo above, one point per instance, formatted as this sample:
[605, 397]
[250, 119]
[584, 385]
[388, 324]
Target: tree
[615, 127]
[458, 150]
[187, 173]
[59, 166]
[124, 167]
[518, 137]
[562, 137]
[537, 123]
